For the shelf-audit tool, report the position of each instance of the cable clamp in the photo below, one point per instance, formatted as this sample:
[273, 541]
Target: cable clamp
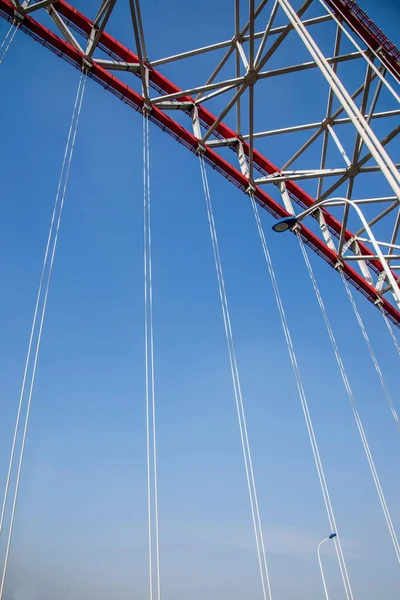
[18, 16]
[146, 108]
[86, 65]
[339, 266]
[296, 228]
[201, 149]
[251, 190]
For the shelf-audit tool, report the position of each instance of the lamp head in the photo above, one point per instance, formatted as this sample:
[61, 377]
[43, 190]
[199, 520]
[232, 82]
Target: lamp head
[284, 224]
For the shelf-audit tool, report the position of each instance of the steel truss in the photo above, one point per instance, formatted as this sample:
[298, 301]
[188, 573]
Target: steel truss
[352, 131]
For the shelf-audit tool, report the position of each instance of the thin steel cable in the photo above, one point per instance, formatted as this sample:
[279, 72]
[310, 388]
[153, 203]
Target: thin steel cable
[59, 203]
[236, 384]
[240, 404]
[372, 353]
[38, 298]
[390, 329]
[237, 390]
[146, 349]
[304, 405]
[252, 489]
[350, 395]
[3, 53]
[151, 430]
[6, 37]
[155, 470]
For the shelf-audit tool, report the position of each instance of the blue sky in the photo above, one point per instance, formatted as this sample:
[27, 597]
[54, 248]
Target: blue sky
[81, 523]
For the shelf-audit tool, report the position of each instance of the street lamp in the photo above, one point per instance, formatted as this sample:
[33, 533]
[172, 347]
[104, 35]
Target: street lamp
[292, 220]
[330, 537]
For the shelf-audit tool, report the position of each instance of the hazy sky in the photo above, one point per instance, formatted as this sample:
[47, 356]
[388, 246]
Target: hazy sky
[81, 522]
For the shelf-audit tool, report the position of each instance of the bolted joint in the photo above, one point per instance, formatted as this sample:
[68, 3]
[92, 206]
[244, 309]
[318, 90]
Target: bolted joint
[18, 18]
[237, 38]
[353, 170]
[251, 77]
[378, 302]
[296, 228]
[86, 65]
[327, 121]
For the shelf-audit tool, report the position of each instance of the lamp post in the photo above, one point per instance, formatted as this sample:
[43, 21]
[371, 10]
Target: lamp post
[330, 537]
[289, 222]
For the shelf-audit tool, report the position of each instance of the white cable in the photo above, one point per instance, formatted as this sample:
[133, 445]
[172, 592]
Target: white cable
[236, 384]
[7, 47]
[353, 404]
[371, 351]
[151, 433]
[390, 329]
[253, 496]
[150, 535]
[304, 404]
[155, 475]
[53, 235]
[6, 37]
[34, 321]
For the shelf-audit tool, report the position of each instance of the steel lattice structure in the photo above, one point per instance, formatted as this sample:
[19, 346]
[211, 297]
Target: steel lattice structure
[354, 128]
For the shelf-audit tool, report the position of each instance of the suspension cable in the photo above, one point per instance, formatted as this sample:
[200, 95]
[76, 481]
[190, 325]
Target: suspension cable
[350, 395]
[38, 300]
[390, 329]
[40, 308]
[248, 463]
[4, 47]
[151, 437]
[304, 405]
[371, 351]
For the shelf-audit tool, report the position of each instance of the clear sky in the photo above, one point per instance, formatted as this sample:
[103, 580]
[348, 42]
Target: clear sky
[81, 523]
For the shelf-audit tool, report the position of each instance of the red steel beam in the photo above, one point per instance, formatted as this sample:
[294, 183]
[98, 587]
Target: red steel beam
[365, 28]
[136, 101]
[111, 45]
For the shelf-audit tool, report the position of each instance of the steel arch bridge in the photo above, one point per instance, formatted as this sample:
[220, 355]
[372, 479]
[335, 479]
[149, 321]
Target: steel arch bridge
[352, 122]
[281, 190]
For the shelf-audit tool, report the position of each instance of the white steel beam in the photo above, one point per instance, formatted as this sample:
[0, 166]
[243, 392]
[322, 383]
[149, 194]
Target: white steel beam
[64, 29]
[367, 135]
[112, 65]
[202, 88]
[365, 53]
[41, 4]
[227, 43]
[267, 32]
[99, 25]
[325, 140]
[140, 46]
[253, 75]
